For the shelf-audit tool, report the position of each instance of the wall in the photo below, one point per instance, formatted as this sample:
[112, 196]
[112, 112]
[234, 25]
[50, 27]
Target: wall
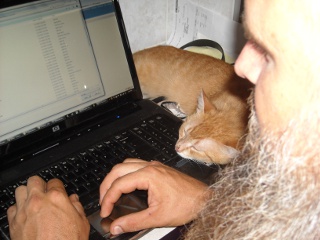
[149, 22]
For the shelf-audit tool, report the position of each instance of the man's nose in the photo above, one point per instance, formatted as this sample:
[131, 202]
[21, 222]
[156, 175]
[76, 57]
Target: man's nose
[250, 63]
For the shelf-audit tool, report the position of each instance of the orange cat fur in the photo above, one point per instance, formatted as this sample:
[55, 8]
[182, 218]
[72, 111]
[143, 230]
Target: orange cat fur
[207, 90]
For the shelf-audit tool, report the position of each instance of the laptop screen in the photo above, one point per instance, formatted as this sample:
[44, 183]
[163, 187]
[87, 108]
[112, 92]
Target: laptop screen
[58, 58]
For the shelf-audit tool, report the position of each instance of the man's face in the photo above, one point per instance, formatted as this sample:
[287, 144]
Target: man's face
[277, 58]
[273, 187]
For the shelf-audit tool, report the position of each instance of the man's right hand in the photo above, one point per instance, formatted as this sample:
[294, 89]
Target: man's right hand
[174, 198]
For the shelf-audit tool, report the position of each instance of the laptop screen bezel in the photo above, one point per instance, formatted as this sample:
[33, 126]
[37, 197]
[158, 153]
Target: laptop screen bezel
[19, 149]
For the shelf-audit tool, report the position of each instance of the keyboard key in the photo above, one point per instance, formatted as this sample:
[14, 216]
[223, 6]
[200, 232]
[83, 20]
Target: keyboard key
[3, 219]
[4, 198]
[79, 181]
[4, 232]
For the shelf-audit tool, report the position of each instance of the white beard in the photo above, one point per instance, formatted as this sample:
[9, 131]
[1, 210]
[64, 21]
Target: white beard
[272, 191]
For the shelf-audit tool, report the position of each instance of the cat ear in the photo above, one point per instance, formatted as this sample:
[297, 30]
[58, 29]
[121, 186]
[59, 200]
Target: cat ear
[204, 104]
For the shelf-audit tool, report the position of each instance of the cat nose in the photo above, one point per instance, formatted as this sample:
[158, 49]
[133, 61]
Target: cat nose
[177, 147]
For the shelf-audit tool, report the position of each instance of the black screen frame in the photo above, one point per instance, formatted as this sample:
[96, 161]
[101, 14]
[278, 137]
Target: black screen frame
[23, 148]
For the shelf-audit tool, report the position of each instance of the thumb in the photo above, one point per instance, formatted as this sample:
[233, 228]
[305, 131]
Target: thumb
[134, 222]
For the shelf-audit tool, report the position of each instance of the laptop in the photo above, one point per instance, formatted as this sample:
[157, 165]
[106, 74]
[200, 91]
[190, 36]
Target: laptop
[71, 106]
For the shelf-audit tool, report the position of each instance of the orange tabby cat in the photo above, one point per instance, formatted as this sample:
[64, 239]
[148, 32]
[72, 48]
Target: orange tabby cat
[207, 90]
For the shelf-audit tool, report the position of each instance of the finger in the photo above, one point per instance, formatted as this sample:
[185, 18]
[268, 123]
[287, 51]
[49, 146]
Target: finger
[74, 198]
[118, 171]
[36, 183]
[128, 160]
[11, 213]
[134, 222]
[125, 184]
[21, 197]
[56, 184]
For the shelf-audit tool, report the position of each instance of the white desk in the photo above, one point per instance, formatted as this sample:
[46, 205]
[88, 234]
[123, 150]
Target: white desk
[157, 233]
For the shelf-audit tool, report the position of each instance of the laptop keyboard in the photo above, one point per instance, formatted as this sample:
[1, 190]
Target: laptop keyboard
[83, 172]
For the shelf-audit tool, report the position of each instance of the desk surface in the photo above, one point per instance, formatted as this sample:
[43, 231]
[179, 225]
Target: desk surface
[157, 233]
[168, 233]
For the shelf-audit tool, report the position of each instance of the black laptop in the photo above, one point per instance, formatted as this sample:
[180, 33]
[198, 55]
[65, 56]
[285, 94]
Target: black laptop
[71, 105]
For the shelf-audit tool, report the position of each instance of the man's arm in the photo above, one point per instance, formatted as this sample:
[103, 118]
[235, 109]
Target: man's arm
[174, 198]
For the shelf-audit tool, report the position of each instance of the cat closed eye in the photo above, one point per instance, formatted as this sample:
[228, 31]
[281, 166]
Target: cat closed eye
[195, 149]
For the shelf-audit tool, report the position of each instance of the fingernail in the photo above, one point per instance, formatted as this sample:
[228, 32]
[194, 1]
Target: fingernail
[77, 197]
[117, 230]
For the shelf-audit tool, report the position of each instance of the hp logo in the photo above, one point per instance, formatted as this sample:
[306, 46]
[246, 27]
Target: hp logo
[56, 128]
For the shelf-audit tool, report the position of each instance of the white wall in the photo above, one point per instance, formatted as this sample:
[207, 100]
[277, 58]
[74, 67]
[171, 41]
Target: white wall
[149, 22]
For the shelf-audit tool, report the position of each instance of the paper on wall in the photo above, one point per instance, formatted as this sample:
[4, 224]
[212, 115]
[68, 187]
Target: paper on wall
[194, 22]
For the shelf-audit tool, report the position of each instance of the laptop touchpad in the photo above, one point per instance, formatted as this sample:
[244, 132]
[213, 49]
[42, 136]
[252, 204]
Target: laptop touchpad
[128, 203]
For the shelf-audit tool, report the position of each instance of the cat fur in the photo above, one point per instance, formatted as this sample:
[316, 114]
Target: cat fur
[210, 93]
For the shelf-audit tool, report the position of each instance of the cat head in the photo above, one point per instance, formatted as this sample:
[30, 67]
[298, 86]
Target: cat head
[205, 136]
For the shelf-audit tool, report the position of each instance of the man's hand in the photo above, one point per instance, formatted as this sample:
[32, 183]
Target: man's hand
[44, 211]
[173, 197]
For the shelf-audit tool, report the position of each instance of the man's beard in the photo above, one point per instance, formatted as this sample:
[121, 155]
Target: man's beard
[271, 191]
